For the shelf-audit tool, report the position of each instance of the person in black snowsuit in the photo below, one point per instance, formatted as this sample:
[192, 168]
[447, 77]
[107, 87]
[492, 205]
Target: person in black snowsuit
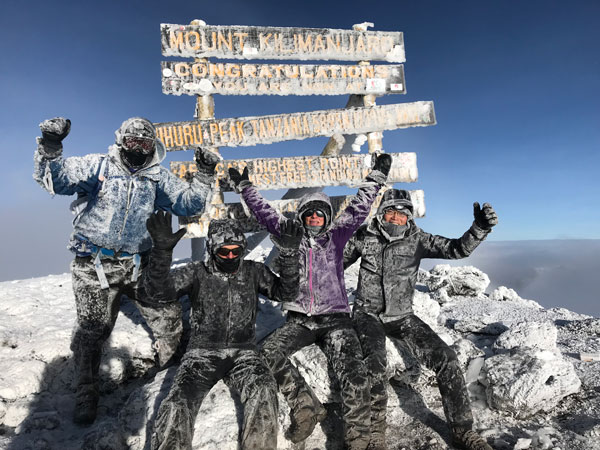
[391, 247]
[223, 292]
[116, 193]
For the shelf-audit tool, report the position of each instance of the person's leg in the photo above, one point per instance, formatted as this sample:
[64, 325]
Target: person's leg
[251, 377]
[372, 340]
[97, 310]
[305, 408]
[343, 351]
[199, 371]
[434, 353]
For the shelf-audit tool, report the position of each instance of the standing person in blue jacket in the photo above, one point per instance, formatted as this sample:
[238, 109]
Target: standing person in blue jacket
[116, 193]
[390, 249]
[320, 313]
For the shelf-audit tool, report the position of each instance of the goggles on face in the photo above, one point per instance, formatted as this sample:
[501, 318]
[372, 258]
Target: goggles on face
[310, 212]
[222, 251]
[394, 212]
[142, 144]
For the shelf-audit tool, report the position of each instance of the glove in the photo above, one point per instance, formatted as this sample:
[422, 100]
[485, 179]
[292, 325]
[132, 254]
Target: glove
[485, 218]
[159, 227]
[290, 234]
[53, 132]
[383, 163]
[240, 181]
[206, 161]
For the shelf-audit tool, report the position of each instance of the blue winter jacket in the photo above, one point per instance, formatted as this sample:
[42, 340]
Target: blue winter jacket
[116, 217]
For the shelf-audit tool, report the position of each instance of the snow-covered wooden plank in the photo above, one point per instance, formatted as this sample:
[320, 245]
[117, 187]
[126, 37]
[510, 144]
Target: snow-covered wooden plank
[246, 42]
[246, 131]
[308, 171]
[202, 78]
[197, 226]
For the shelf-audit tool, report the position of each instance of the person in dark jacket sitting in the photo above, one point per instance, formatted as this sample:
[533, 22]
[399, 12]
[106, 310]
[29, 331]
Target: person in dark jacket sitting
[223, 292]
[391, 247]
[320, 312]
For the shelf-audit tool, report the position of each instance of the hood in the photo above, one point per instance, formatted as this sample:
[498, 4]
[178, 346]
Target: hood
[147, 128]
[317, 199]
[224, 232]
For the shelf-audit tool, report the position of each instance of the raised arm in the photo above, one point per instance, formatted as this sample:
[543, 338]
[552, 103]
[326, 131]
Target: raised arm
[161, 284]
[265, 214]
[445, 248]
[188, 197]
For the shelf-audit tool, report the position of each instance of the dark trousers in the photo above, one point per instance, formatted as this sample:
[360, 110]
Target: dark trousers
[336, 337]
[97, 311]
[428, 348]
[200, 370]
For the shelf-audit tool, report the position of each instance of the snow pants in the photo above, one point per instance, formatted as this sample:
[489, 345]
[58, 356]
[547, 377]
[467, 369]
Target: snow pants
[97, 311]
[334, 334]
[428, 348]
[200, 369]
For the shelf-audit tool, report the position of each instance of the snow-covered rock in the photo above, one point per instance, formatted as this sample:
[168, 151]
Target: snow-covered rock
[536, 335]
[504, 294]
[445, 281]
[528, 381]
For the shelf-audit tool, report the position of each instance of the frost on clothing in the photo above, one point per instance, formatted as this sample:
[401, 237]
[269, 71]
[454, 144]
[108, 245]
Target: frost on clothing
[322, 288]
[117, 217]
[222, 345]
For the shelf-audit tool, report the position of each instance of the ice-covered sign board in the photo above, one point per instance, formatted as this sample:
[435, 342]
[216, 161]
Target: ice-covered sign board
[202, 78]
[247, 131]
[244, 42]
[197, 226]
[308, 171]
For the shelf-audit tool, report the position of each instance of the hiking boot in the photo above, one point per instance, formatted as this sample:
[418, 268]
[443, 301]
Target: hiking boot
[303, 422]
[86, 403]
[467, 439]
[377, 442]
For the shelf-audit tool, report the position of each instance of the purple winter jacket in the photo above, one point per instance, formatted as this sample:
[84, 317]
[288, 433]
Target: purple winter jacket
[322, 289]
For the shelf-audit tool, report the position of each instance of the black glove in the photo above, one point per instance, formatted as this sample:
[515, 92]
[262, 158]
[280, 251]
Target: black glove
[485, 217]
[159, 227]
[206, 161]
[53, 132]
[290, 234]
[239, 180]
[383, 163]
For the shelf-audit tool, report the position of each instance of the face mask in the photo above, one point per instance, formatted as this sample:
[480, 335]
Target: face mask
[313, 230]
[135, 160]
[227, 265]
[394, 230]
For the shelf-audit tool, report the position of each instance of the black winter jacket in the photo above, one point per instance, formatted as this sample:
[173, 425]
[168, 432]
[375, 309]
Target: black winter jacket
[223, 306]
[388, 268]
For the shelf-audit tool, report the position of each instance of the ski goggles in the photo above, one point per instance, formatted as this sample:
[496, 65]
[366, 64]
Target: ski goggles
[222, 251]
[142, 144]
[310, 212]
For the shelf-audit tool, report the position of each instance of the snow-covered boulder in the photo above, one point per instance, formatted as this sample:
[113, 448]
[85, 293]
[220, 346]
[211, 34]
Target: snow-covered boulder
[536, 335]
[426, 309]
[504, 294]
[446, 281]
[528, 381]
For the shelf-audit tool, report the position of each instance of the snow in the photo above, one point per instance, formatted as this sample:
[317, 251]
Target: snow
[528, 386]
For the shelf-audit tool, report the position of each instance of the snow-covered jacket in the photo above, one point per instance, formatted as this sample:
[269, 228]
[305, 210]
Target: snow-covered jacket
[224, 305]
[116, 217]
[389, 266]
[322, 288]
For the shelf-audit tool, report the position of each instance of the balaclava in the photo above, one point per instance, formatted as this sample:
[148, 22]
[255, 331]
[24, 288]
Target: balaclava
[136, 139]
[225, 232]
[321, 205]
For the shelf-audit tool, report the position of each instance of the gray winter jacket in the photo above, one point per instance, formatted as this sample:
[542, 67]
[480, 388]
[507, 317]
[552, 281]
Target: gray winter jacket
[223, 306]
[116, 218]
[322, 288]
[389, 266]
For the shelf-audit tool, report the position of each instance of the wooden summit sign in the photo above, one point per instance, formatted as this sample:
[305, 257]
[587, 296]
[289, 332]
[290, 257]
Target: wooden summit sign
[244, 42]
[197, 226]
[202, 78]
[308, 171]
[245, 131]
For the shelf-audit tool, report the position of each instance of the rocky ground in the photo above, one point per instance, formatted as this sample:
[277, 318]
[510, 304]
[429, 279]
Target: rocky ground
[529, 386]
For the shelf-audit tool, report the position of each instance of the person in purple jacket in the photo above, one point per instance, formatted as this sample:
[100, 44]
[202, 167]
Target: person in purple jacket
[320, 314]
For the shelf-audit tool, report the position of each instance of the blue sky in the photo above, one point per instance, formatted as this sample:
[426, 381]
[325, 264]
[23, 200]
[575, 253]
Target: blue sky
[515, 85]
